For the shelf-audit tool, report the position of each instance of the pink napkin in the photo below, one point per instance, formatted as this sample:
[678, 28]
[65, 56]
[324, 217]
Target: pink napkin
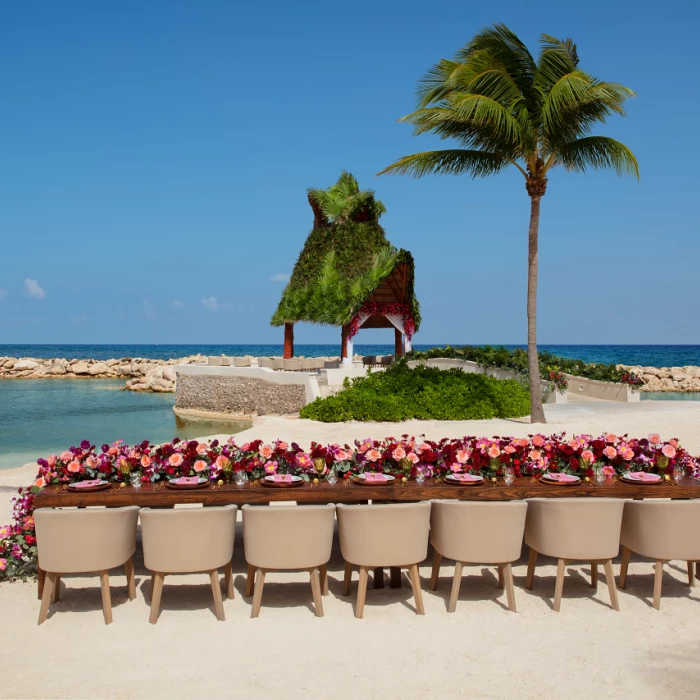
[555, 476]
[465, 477]
[643, 476]
[374, 478]
[86, 484]
[188, 480]
[282, 478]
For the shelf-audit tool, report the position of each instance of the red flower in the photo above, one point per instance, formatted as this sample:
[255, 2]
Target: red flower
[30, 539]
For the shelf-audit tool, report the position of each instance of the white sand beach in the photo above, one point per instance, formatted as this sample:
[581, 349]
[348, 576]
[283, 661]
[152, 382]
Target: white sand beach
[482, 650]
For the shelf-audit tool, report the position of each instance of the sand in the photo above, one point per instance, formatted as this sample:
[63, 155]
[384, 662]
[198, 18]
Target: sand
[482, 650]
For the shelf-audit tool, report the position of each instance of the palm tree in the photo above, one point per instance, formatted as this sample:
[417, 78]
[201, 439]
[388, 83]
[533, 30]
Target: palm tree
[504, 109]
[345, 200]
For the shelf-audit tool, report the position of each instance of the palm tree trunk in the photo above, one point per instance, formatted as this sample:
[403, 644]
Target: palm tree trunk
[536, 408]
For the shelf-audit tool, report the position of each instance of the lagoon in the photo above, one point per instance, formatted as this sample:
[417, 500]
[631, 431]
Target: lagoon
[39, 417]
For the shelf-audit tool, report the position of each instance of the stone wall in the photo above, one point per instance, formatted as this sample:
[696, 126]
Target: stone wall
[667, 378]
[238, 395]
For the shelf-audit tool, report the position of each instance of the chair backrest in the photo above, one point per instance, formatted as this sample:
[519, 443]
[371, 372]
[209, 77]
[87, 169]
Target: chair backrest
[266, 362]
[85, 540]
[574, 528]
[215, 361]
[478, 532]
[309, 364]
[291, 365]
[662, 529]
[384, 535]
[331, 364]
[241, 362]
[226, 361]
[291, 537]
[187, 539]
[369, 359]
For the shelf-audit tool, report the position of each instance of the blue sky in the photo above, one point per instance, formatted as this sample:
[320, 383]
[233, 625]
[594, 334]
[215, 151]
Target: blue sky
[155, 158]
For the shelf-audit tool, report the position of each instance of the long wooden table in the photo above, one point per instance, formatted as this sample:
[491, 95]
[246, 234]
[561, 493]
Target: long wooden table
[345, 491]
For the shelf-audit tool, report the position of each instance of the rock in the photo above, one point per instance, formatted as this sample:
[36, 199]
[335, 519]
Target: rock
[653, 371]
[169, 374]
[99, 368]
[9, 364]
[679, 376]
[58, 368]
[111, 363]
[80, 367]
[22, 365]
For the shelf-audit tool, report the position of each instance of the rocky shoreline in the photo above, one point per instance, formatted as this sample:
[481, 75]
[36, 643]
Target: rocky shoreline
[141, 374]
[667, 379]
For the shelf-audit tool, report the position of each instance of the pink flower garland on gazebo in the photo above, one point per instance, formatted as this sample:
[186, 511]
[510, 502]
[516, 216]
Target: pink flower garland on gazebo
[387, 309]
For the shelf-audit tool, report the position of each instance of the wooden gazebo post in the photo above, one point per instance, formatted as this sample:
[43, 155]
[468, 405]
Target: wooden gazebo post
[398, 343]
[288, 341]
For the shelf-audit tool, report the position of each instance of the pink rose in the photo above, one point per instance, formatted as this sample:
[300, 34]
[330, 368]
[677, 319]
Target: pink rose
[281, 445]
[588, 456]
[90, 462]
[673, 442]
[423, 447]
[341, 456]
[494, 451]
[627, 454]
[220, 461]
[266, 451]
[200, 465]
[399, 453]
[66, 456]
[669, 450]
[364, 446]
[202, 449]
[40, 483]
[413, 457]
[654, 438]
[462, 456]
[145, 461]
[610, 452]
[112, 451]
[610, 437]
[373, 455]
[538, 440]
[535, 455]
[74, 466]
[509, 449]
[175, 460]
[52, 460]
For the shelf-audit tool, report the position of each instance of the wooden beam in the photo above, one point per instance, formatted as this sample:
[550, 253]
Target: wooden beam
[398, 343]
[288, 341]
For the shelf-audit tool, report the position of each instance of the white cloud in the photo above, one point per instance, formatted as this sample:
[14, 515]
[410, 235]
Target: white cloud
[210, 303]
[179, 304]
[33, 289]
[148, 310]
[3, 293]
[280, 277]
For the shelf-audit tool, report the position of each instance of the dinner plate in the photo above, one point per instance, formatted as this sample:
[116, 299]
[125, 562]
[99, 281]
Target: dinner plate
[470, 482]
[201, 482]
[270, 481]
[637, 480]
[360, 479]
[568, 482]
[87, 489]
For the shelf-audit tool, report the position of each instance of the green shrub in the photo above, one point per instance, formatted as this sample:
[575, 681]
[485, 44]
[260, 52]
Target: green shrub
[516, 360]
[426, 393]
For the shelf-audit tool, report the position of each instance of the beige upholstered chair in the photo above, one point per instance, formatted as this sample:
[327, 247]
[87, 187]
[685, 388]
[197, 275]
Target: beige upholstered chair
[309, 365]
[663, 531]
[574, 529]
[84, 541]
[241, 362]
[292, 365]
[375, 536]
[215, 361]
[470, 532]
[291, 538]
[266, 362]
[189, 540]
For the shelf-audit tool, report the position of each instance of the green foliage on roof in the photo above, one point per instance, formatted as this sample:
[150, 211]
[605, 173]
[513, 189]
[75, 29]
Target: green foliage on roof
[345, 258]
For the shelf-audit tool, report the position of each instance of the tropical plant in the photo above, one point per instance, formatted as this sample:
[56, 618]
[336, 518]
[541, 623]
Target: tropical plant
[504, 109]
[345, 200]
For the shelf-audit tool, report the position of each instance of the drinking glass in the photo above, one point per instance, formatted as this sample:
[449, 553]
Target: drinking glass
[420, 474]
[135, 478]
[678, 472]
[332, 475]
[598, 475]
[240, 477]
[509, 475]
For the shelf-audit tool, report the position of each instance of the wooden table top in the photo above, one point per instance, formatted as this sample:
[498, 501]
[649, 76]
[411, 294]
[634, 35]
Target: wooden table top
[344, 492]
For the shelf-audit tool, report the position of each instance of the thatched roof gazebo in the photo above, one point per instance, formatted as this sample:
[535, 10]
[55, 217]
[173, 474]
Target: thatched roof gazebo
[348, 274]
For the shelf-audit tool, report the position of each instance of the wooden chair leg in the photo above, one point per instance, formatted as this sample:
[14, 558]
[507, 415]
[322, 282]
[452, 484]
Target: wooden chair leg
[361, 592]
[415, 585]
[46, 595]
[228, 581]
[456, 583]
[658, 578]
[347, 578]
[691, 573]
[130, 580]
[510, 589]
[612, 586]
[323, 575]
[531, 562]
[594, 575]
[624, 565]
[257, 594]
[56, 596]
[316, 592]
[216, 590]
[559, 588]
[106, 597]
[501, 582]
[250, 581]
[437, 560]
[156, 592]
[41, 577]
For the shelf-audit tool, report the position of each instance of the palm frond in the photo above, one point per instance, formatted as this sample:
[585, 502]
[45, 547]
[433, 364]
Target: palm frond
[598, 152]
[448, 162]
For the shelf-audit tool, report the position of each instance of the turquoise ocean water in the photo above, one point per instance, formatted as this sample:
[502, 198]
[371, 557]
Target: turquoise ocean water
[42, 416]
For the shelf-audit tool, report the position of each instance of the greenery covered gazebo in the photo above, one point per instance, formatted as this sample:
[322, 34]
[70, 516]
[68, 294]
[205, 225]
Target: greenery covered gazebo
[348, 274]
